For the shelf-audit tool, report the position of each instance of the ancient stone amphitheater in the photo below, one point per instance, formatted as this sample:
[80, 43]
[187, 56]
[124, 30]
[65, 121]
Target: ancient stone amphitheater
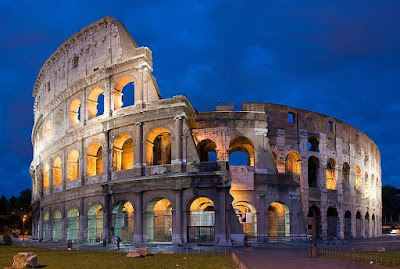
[111, 157]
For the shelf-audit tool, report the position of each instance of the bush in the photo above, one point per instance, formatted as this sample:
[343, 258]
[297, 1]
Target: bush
[7, 240]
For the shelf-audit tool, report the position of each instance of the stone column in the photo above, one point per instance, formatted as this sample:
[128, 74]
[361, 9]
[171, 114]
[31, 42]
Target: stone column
[64, 169]
[324, 222]
[139, 148]
[82, 221]
[41, 224]
[50, 227]
[138, 233]
[220, 225]
[341, 223]
[177, 219]
[51, 176]
[177, 150]
[107, 216]
[139, 84]
[82, 163]
[64, 224]
[262, 229]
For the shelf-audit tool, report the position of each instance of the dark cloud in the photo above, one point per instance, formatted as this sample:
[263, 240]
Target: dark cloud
[339, 58]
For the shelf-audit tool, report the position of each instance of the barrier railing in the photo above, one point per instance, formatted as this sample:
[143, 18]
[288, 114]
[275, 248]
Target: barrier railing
[377, 258]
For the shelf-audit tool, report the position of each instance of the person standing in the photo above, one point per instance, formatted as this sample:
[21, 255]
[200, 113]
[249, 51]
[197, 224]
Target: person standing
[118, 239]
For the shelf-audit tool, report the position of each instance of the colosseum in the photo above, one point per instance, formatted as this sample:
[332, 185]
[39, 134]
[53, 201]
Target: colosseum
[112, 157]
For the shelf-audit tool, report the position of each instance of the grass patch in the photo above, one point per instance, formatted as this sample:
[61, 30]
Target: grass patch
[385, 258]
[95, 259]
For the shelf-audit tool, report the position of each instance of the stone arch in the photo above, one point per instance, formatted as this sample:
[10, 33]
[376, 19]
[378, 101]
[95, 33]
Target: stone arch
[46, 177]
[123, 152]
[245, 145]
[159, 220]
[313, 172]
[333, 220]
[247, 216]
[46, 226]
[93, 102]
[314, 222]
[346, 176]
[123, 221]
[357, 185]
[313, 144]
[201, 220]
[48, 131]
[330, 172]
[73, 165]
[205, 148]
[278, 219]
[118, 91]
[347, 225]
[373, 227]
[94, 159]
[293, 163]
[75, 112]
[358, 224]
[57, 172]
[57, 225]
[366, 226]
[95, 223]
[158, 146]
[73, 223]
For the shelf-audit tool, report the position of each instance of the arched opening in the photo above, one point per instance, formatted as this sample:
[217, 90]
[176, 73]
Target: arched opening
[347, 225]
[73, 165]
[358, 178]
[123, 221]
[330, 174]
[158, 147]
[57, 225]
[201, 221]
[366, 186]
[346, 176]
[313, 167]
[159, 220]
[75, 112]
[47, 131]
[124, 92]
[293, 163]
[314, 222]
[312, 144]
[207, 150]
[358, 224]
[94, 159]
[57, 172]
[73, 224]
[366, 226]
[278, 220]
[123, 154]
[373, 226]
[46, 177]
[95, 106]
[332, 218]
[95, 223]
[46, 227]
[245, 147]
[247, 216]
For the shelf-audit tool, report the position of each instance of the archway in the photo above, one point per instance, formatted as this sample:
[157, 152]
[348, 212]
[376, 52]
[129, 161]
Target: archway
[95, 223]
[73, 165]
[94, 159]
[158, 148]
[293, 163]
[332, 219]
[313, 167]
[95, 103]
[314, 222]
[247, 216]
[207, 150]
[373, 226]
[331, 174]
[201, 221]
[57, 225]
[46, 177]
[312, 144]
[73, 224]
[123, 221]
[346, 176]
[244, 145]
[347, 225]
[358, 224]
[159, 220]
[358, 178]
[278, 220]
[75, 112]
[124, 92]
[57, 172]
[123, 153]
[366, 226]
[46, 227]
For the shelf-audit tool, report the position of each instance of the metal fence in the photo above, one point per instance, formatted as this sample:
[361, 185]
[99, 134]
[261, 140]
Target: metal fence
[377, 258]
[275, 239]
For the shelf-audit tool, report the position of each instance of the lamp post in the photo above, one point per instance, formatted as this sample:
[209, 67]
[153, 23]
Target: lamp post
[23, 228]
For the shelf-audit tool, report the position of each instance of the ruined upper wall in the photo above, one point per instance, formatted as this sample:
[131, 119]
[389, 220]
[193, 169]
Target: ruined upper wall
[96, 46]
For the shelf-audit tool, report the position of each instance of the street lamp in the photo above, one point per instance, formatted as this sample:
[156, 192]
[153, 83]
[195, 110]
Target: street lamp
[23, 228]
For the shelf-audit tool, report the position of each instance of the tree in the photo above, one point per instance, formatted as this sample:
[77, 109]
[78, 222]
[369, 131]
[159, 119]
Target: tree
[390, 204]
[3, 205]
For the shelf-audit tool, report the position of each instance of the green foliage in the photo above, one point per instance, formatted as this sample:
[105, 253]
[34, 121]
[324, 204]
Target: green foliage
[7, 240]
[390, 204]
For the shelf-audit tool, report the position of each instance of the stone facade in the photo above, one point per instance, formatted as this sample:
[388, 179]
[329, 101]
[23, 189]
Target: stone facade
[157, 170]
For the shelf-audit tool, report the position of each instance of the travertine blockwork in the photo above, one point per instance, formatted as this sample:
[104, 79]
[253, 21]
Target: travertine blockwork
[151, 169]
